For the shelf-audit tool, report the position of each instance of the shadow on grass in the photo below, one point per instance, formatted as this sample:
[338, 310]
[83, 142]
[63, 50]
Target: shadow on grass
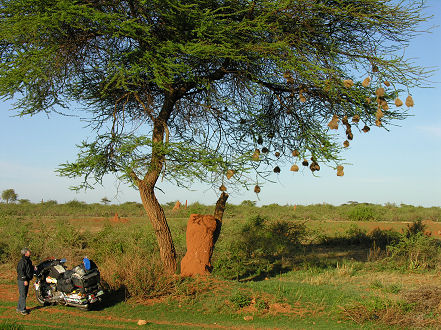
[110, 299]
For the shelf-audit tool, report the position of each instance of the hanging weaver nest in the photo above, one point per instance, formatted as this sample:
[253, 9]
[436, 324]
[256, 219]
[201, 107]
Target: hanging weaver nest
[378, 122]
[366, 129]
[230, 174]
[366, 82]
[349, 134]
[276, 169]
[409, 101]
[256, 189]
[305, 162]
[348, 83]
[346, 144]
[333, 124]
[340, 170]
[222, 188]
[314, 167]
[294, 168]
[289, 79]
[356, 119]
[256, 155]
[384, 105]
[379, 114]
[368, 100]
[301, 96]
[259, 139]
[380, 92]
[398, 102]
[374, 68]
[277, 154]
[265, 150]
[295, 153]
[387, 83]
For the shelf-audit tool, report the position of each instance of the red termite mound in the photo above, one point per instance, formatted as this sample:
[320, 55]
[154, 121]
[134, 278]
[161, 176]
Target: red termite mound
[199, 237]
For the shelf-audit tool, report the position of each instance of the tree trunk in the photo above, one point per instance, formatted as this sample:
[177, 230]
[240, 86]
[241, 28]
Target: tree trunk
[157, 217]
[218, 215]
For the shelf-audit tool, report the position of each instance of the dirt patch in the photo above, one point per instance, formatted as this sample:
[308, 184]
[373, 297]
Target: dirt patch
[9, 292]
[425, 299]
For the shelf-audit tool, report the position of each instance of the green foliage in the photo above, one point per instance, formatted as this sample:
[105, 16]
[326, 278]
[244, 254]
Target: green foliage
[416, 252]
[416, 227]
[362, 213]
[240, 299]
[189, 68]
[9, 195]
[259, 247]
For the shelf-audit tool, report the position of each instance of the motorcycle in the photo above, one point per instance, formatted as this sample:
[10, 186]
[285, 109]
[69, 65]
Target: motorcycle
[55, 284]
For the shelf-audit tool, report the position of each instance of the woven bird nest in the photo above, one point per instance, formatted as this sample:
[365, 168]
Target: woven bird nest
[295, 153]
[259, 139]
[305, 162]
[366, 82]
[256, 189]
[314, 167]
[379, 114]
[398, 102]
[346, 144]
[222, 188]
[256, 155]
[230, 174]
[378, 122]
[333, 124]
[340, 170]
[380, 92]
[288, 76]
[409, 101]
[277, 154]
[356, 119]
[348, 83]
[366, 129]
[294, 168]
[387, 83]
[276, 169]
[265, 150]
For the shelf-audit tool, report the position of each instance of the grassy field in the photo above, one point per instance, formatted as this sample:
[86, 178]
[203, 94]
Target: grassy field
[308, 267]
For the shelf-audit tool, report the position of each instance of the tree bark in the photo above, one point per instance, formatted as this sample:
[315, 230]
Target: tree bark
[157, 217]
[218, 216]
[146, 186]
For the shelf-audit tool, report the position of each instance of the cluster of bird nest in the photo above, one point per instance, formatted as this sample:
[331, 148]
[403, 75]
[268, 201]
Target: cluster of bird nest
[382, 106]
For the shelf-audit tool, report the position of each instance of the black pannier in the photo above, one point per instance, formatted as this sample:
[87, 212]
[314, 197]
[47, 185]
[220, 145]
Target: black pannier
[57, 271]
[65, 285]
[86, 281]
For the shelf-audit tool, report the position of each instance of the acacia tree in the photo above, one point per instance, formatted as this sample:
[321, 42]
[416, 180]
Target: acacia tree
[205, 90]
[9, 195]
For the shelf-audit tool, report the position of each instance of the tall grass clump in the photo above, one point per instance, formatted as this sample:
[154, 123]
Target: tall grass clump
[258, 247]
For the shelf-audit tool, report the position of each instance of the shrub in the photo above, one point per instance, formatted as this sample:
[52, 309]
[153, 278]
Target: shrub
[259, 247]
[362, 213]
[240, 299]
[416, 252]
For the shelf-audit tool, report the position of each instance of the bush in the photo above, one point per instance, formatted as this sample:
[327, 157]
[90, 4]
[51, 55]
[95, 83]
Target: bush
[362, 213]
[240, 300]
[259, 247]
[416, 252]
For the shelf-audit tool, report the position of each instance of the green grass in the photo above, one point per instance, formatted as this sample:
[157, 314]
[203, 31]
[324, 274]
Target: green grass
[300, 267]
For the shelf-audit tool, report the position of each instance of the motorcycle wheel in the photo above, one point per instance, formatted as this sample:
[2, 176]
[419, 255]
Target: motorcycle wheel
[41, 300]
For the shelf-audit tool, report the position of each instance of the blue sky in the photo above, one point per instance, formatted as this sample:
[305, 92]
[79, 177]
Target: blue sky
[400, 166]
